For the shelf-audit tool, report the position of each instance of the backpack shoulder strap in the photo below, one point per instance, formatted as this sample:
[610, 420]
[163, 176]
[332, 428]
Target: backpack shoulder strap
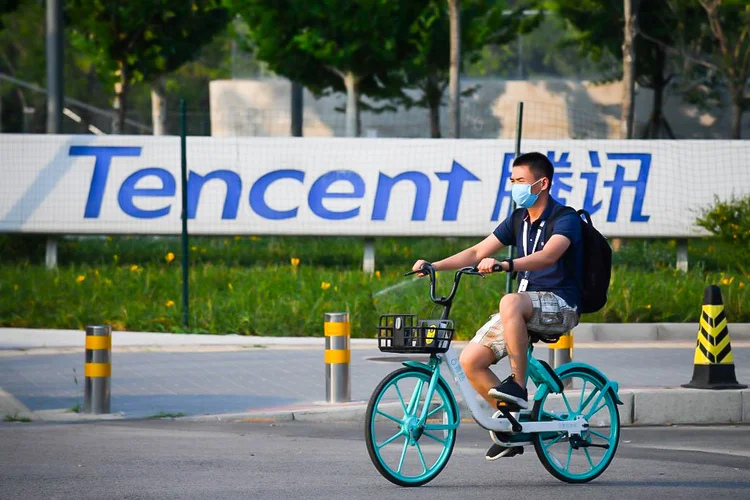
[516, 219]
[550, 225]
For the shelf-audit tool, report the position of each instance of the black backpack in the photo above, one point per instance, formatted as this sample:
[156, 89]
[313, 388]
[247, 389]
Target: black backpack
[597, 258]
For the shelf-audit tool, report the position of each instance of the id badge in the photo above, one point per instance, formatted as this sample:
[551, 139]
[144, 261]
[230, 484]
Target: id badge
[522, 285]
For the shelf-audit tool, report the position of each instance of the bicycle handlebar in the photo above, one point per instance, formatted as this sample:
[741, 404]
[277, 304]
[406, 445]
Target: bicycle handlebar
[428, 270]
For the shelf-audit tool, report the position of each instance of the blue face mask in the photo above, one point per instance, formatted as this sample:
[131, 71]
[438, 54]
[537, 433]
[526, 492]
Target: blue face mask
[523, 196]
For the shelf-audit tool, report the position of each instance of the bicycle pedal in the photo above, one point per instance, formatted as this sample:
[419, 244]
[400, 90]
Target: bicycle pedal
[506, 406]
[506, 411]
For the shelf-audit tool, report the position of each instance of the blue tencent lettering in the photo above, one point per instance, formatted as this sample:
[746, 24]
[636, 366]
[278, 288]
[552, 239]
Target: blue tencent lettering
[319, 192]
[231, 201]
[258, 194]
[128, 191]
[383, 194]
[559, 185]
[103, 155]
[503, 191]
[455, 178]
[619, 183]
[591, 177]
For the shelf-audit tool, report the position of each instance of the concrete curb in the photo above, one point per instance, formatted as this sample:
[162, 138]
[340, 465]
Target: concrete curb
[38, 339]
[641, 407]
[649, 332]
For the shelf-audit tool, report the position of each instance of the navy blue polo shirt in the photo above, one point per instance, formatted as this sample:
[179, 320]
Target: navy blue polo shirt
[556, 277]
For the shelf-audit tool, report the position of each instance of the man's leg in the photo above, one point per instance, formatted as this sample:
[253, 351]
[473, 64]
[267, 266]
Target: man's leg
[476, 360]
[515, 311]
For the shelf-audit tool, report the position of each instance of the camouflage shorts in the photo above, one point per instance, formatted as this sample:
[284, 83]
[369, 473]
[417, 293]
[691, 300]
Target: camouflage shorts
[550, 315]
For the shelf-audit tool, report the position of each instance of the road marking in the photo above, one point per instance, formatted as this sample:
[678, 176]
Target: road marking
[715, 451]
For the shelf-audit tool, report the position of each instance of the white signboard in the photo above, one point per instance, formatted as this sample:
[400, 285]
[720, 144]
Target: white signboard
[369, 187]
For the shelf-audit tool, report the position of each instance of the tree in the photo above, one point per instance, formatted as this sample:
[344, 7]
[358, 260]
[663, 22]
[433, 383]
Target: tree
[712, 40]
[332, 45]
[454, 100]
[729, 21]
[141, 40]
[630, 13]
[6, 7]
[595, 32]
[483, 22]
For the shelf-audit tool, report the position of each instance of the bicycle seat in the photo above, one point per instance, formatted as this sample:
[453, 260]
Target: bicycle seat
[535, 337]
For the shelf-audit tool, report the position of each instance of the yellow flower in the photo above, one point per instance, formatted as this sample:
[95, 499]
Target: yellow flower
[134, 267]
[194, 248]
[325, 286]
[231, 288]
[294, 261]
[236, 238]
[203, 251]
[254, 238]
[648, 306]
[80, 278]
[170, 257]
[170, 303]
[15, 286]
[377, 274]
[727, 281]
[335, 288]
[742, 284]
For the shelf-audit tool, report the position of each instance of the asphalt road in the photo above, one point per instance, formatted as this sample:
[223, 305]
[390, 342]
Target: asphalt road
[175, 459]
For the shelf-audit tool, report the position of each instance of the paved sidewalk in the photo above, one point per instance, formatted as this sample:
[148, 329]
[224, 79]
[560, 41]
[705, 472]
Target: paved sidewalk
[209, 374]
[145, 383]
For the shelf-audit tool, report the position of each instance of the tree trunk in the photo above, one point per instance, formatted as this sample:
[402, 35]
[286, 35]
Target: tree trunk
[353, 125]
[158, 107]
[736, 132]
[120, 102]
[435, 120]
[297, 109]
[454, 103]
[658, 83]
[628, 68]
[433, 92]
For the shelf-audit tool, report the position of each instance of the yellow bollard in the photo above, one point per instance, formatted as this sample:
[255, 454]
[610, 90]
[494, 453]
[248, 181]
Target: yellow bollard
[98, 369]
[337, 357]
[561, 352]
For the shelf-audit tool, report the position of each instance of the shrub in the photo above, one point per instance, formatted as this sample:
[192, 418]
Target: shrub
[728, 220]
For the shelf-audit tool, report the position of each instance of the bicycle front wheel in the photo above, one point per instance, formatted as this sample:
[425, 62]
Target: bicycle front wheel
[404, 452]
[575, 459]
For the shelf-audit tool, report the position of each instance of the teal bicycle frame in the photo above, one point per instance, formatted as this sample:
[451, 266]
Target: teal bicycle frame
[483, 413]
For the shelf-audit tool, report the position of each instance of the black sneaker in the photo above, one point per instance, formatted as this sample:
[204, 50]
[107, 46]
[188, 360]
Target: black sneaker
[510, 392]
[496, 451]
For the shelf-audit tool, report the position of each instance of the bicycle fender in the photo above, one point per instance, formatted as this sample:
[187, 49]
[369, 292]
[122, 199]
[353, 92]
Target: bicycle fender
[424, 366]
[610, 385]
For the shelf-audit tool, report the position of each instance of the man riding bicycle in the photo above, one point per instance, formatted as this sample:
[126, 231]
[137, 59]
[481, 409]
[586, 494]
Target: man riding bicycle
[548, 293]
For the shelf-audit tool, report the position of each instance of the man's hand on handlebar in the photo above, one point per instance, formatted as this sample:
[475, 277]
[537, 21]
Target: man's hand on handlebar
[490, 265]
[418, 268]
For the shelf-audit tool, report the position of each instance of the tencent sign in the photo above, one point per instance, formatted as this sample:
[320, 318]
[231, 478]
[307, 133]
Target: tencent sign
[368, 187]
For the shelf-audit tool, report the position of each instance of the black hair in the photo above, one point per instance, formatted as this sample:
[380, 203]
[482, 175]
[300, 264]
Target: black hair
[538, 163]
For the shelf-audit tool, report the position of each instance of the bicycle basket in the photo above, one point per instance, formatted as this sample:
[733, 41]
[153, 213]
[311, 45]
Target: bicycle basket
[404, 333]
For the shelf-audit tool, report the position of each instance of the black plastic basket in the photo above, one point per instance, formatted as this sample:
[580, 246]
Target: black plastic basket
[404, 333]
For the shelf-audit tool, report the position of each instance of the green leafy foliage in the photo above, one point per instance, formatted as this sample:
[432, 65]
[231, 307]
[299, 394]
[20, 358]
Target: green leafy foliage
[140, 40]
[7, 6]
[729, 221]
[283, 285]
[426, 65]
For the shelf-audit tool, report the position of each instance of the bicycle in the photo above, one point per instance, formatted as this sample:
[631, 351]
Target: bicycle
[567, 441]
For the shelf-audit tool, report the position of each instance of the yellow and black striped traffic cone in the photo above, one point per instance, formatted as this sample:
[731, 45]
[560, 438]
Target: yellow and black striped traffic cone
[713, 362]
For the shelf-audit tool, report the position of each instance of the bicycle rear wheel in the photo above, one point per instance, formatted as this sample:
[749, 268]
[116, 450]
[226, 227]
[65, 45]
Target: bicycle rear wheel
[404, 452]
[568, 458]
